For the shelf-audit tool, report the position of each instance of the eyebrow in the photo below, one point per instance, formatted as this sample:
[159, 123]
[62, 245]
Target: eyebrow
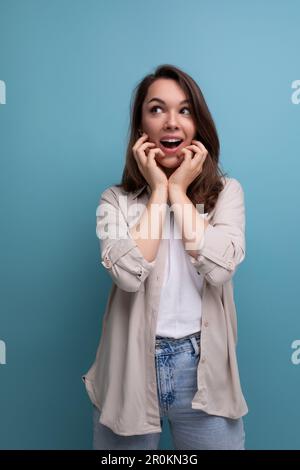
[162, 101]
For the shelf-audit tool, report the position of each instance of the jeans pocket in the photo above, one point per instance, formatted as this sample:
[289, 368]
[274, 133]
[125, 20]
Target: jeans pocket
[196, 346]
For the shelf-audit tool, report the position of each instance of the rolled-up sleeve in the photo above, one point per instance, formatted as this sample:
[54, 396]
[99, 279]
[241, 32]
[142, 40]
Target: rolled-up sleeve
[120, 254]
[223, 247]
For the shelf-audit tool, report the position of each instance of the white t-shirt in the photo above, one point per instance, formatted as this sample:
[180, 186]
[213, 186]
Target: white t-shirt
[180, 302]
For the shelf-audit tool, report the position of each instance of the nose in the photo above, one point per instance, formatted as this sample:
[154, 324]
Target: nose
[171, 121]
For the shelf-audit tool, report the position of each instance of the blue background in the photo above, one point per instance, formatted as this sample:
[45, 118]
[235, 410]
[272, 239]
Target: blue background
[70, 67]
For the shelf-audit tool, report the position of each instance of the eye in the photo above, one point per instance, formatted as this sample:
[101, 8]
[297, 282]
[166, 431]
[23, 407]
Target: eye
[187, 109]
[155, 107]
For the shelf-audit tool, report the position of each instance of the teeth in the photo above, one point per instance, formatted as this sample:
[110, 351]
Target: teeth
[171, 140]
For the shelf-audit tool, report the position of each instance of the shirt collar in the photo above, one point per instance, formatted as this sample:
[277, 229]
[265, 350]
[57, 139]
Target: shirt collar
[140, 190]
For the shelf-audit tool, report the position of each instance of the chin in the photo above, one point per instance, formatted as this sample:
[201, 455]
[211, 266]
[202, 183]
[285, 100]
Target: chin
[170, 162]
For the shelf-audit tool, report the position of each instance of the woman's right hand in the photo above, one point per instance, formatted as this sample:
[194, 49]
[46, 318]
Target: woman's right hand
[147, 164]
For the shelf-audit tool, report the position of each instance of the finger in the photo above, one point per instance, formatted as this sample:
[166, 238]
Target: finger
[153, 152]
[140, 166]
[151, 159]
[144, 147]
[197, 149]
[198, 159]
[186, 151]
[198, 162]
[147, 148]
[143, 136]
[141, 150]
[188, 154]
[146, 144]
[199, 144]
[141, 139]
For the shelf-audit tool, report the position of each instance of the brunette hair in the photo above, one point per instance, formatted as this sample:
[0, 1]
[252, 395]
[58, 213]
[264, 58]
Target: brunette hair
[207, 185]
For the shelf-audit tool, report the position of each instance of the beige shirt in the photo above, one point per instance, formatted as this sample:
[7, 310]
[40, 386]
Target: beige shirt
[122, 380]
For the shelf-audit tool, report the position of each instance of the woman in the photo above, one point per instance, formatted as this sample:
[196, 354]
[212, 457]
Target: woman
[169, 332]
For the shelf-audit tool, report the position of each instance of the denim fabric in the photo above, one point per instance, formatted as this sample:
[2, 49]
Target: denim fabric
[176, 370]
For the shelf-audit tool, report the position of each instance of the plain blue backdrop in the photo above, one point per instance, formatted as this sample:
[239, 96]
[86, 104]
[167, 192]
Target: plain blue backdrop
[70, 67]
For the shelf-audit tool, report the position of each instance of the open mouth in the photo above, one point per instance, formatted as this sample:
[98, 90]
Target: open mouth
[171, 145]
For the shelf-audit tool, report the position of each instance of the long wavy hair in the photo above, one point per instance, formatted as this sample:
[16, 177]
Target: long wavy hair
[207, 185]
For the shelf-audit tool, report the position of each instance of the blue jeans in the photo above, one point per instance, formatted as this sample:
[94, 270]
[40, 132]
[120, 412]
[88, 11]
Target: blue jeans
[176, 370]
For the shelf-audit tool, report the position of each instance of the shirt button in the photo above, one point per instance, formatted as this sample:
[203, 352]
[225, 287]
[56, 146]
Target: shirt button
[206, 323]
[203, 359]
[107, 262]
[230, 264]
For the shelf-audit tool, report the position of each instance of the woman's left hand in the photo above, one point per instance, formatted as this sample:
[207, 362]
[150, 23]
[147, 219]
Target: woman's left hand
[191, 166]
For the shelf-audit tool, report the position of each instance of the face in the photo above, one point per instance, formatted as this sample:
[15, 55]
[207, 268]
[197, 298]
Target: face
[169, 118]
